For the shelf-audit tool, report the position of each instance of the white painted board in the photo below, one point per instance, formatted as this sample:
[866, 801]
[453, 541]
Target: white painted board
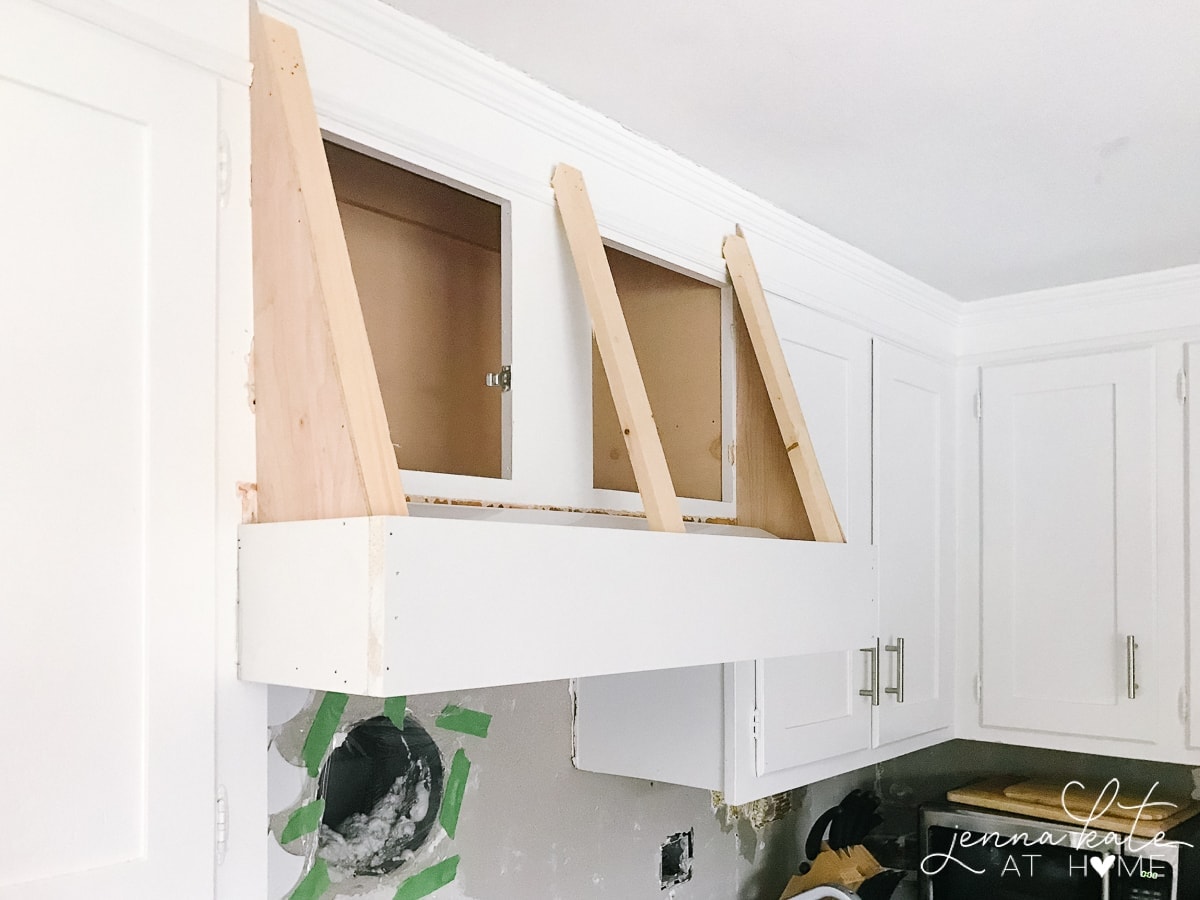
[405, 605]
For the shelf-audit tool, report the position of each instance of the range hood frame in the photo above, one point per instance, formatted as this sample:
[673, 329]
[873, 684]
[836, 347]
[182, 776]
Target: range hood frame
[391, 605]
[341, 589]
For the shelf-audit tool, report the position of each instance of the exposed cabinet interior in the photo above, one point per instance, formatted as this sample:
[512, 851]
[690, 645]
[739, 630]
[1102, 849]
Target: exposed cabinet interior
[674, 322]
[428, 264]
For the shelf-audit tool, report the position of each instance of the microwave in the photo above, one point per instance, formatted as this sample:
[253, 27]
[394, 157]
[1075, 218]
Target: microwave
[976, 854]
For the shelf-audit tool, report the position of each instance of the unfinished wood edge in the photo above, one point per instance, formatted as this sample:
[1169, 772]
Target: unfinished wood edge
[785, 404]
[628, 391]
[352, 364]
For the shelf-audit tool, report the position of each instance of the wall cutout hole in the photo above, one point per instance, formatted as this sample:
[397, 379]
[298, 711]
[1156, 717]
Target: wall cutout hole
[382, 789]
[675, 863]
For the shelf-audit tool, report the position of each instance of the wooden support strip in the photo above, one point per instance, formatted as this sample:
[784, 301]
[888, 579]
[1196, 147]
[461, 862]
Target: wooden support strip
[616, 352]
[803, 458]
[322, 435]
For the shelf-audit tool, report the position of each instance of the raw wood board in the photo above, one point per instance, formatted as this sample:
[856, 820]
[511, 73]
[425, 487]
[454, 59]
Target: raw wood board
[990, 794]
[1124, 805]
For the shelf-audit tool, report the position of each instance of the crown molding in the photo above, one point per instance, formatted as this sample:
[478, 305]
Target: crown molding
[404, 41]
[1180, 283]
[1085, 316]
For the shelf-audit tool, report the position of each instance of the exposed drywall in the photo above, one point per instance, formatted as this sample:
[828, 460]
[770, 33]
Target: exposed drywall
[531, 825]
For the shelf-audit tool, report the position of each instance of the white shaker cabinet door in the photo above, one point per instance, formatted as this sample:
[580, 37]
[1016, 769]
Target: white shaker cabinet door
[809, 706]
[107, 392]
[1069, 479]
[914, 531]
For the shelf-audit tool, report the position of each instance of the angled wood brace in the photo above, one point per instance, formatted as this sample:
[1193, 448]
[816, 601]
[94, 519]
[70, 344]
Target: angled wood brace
[814, 493]
[616, 352]
[324, 449]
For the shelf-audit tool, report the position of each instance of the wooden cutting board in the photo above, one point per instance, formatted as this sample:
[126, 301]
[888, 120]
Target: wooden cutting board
[992, 793]
[1081, 801]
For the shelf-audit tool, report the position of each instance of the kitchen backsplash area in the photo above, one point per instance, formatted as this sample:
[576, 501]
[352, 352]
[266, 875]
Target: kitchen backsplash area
[492, 806]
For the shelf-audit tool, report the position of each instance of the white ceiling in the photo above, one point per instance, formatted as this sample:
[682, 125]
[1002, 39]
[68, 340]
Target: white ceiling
[986, 148]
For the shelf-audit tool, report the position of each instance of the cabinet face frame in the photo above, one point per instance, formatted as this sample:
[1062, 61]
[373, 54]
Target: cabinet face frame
[1192, 441]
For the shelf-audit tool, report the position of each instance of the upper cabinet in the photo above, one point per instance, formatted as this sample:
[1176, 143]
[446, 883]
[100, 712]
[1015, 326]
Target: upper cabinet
[108, 378]
[1082, 480]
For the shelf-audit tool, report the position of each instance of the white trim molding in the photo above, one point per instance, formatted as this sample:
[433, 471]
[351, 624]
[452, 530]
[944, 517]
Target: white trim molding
[1086, 315]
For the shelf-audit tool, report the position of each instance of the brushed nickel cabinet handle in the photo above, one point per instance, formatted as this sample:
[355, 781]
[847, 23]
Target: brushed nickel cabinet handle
[898, 649]
[873, 690]
[1131, 685]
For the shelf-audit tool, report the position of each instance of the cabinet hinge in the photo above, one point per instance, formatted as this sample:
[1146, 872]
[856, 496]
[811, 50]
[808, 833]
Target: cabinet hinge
[501, 379]
[756, 725]
[979, 404]
[1181, 385]
[222, 823]
[1184, 704]
[224, 169]
[978, 689]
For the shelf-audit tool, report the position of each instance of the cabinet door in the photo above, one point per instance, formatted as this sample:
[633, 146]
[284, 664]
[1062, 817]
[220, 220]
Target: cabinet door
[107, 389]
[1068, 523]
[913, 525]
[809, 707]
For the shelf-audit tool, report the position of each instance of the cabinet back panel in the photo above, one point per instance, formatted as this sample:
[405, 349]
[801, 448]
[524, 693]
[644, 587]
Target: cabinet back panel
[428, 268]
[675, 325]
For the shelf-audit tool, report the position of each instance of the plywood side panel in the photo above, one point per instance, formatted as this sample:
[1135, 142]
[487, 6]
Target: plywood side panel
[675, 324]
[323, 447]
[802, 458]
[767, 496]
[616, 351]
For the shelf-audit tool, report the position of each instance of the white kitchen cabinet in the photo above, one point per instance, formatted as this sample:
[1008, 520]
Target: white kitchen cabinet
[758, 727]
[1082, 475]
[809, 707]
[108, 170]
[913, 520]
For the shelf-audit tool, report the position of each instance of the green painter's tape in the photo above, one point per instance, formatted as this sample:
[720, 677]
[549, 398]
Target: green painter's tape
[324, 726]
[429, 880]
[305, 820]
[314, 883]
[395, 708]
[456, 784]
[468, 721]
